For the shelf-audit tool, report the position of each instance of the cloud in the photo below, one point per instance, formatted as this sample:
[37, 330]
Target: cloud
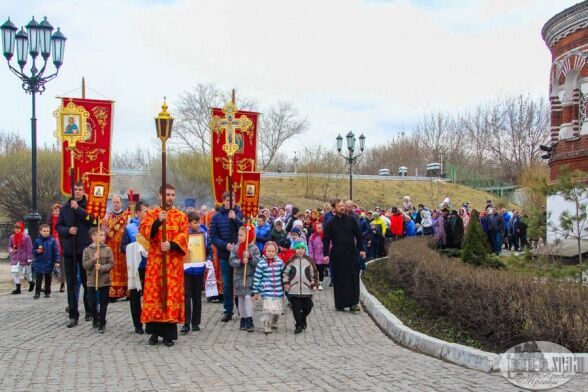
[370, 66]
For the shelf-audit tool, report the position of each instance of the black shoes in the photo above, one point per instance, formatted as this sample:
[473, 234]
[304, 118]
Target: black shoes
[226, 317]
[340, 310]
[168, 342]
[185, 329]
[101, 329]
[243, 324]
[354, 309]
[139, 330]
[304, 325]
[195, 327]
[47, 295]
[36, 296]
[249, 324]
[72, 323]
[16, 290]
[95, 324]
[298, 329]
[31, 286]
[62, 288]
[153, 340]
[88, 317]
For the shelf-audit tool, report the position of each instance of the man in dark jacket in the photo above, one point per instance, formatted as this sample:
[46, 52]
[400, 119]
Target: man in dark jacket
[496, 223]
[224, 229]
[73, 226]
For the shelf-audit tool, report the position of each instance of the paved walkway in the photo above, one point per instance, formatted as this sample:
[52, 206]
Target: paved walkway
[339, 351]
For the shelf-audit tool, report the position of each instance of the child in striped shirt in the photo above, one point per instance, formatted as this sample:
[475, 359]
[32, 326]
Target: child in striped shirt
[267, 282]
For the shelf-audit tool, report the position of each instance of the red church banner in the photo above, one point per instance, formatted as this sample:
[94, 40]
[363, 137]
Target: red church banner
[244, 160]
[250, 186]
[91, 155]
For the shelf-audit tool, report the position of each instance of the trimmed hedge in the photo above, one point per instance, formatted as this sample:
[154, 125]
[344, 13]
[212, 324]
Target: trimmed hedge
[499, 307]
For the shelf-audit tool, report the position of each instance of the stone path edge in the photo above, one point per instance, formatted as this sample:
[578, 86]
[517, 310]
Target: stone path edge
[458, 354]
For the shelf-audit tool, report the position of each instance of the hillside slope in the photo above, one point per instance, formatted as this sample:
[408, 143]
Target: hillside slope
[311, 193]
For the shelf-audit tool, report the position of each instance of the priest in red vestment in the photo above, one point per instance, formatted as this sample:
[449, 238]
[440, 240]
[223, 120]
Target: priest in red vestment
[159, 322]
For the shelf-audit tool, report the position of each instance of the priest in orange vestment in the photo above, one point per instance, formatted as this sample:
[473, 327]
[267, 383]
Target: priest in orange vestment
[160, 322]
[114, 226]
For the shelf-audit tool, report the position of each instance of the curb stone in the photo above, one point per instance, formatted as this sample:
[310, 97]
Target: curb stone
[458, 354]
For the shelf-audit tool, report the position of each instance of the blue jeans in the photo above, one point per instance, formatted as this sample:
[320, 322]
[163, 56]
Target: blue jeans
[497, 243]
[227, 275]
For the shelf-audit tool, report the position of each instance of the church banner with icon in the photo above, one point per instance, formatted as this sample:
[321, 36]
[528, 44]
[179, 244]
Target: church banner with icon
[250, 186]
[98, 185]
[92, 120]
[226, 122]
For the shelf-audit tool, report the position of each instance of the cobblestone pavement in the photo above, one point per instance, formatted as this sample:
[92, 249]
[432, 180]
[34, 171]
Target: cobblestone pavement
[338, 351]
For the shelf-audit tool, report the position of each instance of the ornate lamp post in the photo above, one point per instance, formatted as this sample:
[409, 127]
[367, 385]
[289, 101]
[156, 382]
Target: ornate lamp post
[38, 40]
[350, 158]
[163, 124]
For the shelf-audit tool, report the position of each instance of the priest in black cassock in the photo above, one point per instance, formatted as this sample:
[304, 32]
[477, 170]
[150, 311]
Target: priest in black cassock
[342, 231]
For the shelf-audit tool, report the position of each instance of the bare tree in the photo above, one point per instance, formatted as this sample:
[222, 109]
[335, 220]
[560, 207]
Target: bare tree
[11, 143]
[192, 130]
[136, 159]
[279, 124]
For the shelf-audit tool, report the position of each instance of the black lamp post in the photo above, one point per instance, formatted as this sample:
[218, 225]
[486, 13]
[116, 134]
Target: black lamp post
[350, 158]
[38, 40]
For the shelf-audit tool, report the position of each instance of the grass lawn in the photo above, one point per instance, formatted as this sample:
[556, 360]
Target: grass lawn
[526, 264]
[310, 192]
[409, 312]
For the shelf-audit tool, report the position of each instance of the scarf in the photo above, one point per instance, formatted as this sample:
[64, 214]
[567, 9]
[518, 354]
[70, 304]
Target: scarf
[54, 224]
[18, 236]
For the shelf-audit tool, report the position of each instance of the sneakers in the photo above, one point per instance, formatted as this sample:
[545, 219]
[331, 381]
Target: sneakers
[185, 329]
[226, 317]
[243, 324]
[249, 324]
[72, 323]
[320, 287]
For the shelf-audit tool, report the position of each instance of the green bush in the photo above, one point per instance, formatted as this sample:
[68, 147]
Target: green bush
[476, 249]
[499, 307]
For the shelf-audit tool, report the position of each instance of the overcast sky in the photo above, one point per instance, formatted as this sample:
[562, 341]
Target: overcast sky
[371, 66]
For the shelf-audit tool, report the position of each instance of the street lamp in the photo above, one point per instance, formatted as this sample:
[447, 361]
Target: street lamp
[38, 39]
[350, 158]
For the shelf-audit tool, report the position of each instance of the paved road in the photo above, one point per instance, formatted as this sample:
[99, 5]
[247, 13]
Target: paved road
[339, 351]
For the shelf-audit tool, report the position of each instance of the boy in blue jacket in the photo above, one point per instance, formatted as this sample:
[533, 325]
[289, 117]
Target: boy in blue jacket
[46, 254]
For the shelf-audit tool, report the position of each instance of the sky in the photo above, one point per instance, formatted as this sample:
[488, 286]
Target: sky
[372, 66]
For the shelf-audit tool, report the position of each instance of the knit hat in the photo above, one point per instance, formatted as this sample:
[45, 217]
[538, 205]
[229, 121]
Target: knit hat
[300, 244]
[270, 243]
[295, 230]
[285, 243]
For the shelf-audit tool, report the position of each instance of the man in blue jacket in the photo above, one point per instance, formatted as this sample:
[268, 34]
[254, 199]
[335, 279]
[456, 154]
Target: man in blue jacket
[224, 228]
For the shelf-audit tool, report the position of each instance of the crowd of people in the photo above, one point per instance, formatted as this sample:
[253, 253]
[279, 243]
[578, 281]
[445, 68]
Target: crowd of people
[281, 256]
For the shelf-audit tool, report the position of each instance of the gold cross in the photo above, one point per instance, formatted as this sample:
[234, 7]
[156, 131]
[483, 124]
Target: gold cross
[229, 124]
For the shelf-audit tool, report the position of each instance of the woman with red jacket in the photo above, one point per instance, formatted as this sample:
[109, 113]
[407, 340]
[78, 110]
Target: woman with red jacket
[396, 224]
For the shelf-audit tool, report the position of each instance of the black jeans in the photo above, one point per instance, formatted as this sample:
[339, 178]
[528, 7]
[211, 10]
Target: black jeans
[193, 298]
[135, 301]
[321, 271]
[71, 271]
[99, 316]
[301, 307]
[39, 279]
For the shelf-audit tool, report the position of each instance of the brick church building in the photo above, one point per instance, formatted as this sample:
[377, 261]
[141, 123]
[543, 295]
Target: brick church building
[566, 36]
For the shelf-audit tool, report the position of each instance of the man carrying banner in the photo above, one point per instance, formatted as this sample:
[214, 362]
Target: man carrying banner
[114, 226]
[163, 296]
[73, 225]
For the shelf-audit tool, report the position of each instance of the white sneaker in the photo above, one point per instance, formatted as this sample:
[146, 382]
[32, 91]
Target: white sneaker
[320, 287]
